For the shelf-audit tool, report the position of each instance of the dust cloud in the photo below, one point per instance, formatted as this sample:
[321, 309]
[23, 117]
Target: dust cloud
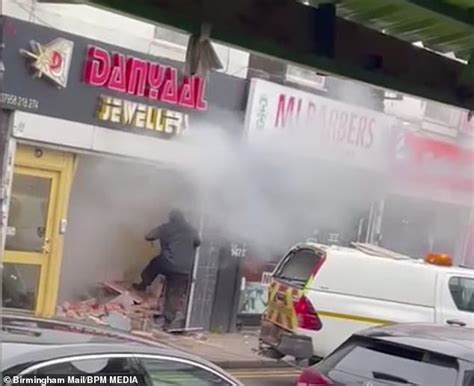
[113, 204]
[269, 197]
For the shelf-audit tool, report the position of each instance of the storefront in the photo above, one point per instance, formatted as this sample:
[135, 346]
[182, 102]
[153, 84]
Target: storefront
[327, 165]
[103, 138]
[429, 205]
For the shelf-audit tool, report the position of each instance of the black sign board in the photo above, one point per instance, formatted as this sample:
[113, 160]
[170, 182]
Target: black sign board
[51, 72]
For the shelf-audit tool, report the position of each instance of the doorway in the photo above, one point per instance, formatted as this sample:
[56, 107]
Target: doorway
[36, 223]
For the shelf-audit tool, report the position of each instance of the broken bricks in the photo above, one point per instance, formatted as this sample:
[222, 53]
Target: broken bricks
[124, 309]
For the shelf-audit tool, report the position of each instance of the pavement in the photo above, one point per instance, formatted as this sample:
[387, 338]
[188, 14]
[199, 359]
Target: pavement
[229, 351]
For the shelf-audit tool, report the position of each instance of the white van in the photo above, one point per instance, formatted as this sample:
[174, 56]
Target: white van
[320, 295]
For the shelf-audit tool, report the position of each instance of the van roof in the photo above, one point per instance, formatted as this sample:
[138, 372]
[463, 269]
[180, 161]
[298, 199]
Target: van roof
[368, 250]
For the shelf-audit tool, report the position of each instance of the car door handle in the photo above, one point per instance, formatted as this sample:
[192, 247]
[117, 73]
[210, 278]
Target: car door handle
[455, 322]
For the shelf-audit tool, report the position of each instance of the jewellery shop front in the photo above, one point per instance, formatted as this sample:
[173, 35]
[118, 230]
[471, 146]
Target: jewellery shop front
[99, 137]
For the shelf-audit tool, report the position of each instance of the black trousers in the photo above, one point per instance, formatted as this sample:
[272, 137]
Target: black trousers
[176, 285]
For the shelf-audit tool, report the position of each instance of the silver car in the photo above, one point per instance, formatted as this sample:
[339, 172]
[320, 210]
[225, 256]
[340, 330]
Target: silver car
[35, 347]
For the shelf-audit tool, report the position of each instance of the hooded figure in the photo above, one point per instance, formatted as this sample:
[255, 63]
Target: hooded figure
[178, 241]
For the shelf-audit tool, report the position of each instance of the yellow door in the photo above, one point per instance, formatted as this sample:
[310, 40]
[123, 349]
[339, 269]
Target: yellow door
[36, 224]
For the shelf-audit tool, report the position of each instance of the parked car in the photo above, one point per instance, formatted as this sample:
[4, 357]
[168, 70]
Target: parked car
[40, 347]
[320, 295]
[405, 354]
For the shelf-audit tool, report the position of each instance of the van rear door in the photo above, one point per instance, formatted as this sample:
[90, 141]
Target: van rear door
[287, 306]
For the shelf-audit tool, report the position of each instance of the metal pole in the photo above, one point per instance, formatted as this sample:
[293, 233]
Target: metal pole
[466, 240]
[378, 221]
[194, 275]
[368, 237]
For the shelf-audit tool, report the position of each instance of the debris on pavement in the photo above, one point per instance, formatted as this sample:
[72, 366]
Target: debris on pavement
[116, 305]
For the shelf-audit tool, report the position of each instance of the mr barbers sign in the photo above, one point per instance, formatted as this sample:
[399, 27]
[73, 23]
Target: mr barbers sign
[57, 74]
[317, 126]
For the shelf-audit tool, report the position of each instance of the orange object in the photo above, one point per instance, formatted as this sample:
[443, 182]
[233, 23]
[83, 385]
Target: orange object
[441, 259]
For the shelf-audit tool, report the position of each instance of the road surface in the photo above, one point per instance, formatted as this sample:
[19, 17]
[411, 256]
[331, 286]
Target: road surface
[267, 377]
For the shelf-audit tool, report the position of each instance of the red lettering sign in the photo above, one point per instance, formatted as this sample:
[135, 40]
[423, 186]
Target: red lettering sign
[140, 77]
[332, 123]
[285, 111]
[434, 163]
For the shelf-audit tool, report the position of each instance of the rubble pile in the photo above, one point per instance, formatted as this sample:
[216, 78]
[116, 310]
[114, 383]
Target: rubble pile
[118, 306]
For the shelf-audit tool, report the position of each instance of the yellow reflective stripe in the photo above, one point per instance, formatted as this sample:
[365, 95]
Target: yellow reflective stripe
[355, 318]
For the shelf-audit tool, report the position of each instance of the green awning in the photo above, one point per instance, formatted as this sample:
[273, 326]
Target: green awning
[445, 26]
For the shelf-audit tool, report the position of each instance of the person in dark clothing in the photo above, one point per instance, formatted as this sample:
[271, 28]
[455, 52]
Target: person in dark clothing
[178, 241]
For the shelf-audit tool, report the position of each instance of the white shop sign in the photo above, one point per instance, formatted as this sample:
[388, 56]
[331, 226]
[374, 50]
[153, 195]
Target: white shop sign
[310, 125]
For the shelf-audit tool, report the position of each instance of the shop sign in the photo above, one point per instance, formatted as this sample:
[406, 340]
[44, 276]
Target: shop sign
[51, 60]
[57, 74]
[139, 115]
[317, 126]
[135, 76]
[117, 72]
[434, 163]
[237, 250]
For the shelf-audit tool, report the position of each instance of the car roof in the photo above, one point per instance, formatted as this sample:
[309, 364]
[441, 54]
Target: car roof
[453, 341]
[26, 338]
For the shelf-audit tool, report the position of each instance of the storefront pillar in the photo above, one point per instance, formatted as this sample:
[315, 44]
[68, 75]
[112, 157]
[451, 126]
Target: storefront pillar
[7, 148]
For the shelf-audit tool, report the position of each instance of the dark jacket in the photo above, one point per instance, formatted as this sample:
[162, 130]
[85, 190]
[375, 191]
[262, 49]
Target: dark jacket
[178, 240]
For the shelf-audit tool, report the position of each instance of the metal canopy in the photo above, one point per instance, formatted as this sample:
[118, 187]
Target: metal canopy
[365, 40]
[445, 26]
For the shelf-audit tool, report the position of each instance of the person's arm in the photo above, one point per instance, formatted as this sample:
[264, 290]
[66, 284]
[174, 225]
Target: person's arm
[154, 234]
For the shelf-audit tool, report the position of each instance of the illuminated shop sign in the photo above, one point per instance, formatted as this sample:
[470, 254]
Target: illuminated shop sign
[129, 74]
[51, 60]
[142, 116]
[315, 126]
[60, 75]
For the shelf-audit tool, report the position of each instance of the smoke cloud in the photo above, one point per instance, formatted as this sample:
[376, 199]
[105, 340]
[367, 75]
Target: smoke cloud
[270, 196]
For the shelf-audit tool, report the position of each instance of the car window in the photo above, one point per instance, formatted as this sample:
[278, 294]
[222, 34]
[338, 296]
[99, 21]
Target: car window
[298, 265]
[468, 378]
[381, 363]
[462, 291]
[89, 366]
[174, 373]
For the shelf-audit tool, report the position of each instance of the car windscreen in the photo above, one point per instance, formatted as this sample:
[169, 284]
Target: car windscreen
[370, 361]
[298, 265]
